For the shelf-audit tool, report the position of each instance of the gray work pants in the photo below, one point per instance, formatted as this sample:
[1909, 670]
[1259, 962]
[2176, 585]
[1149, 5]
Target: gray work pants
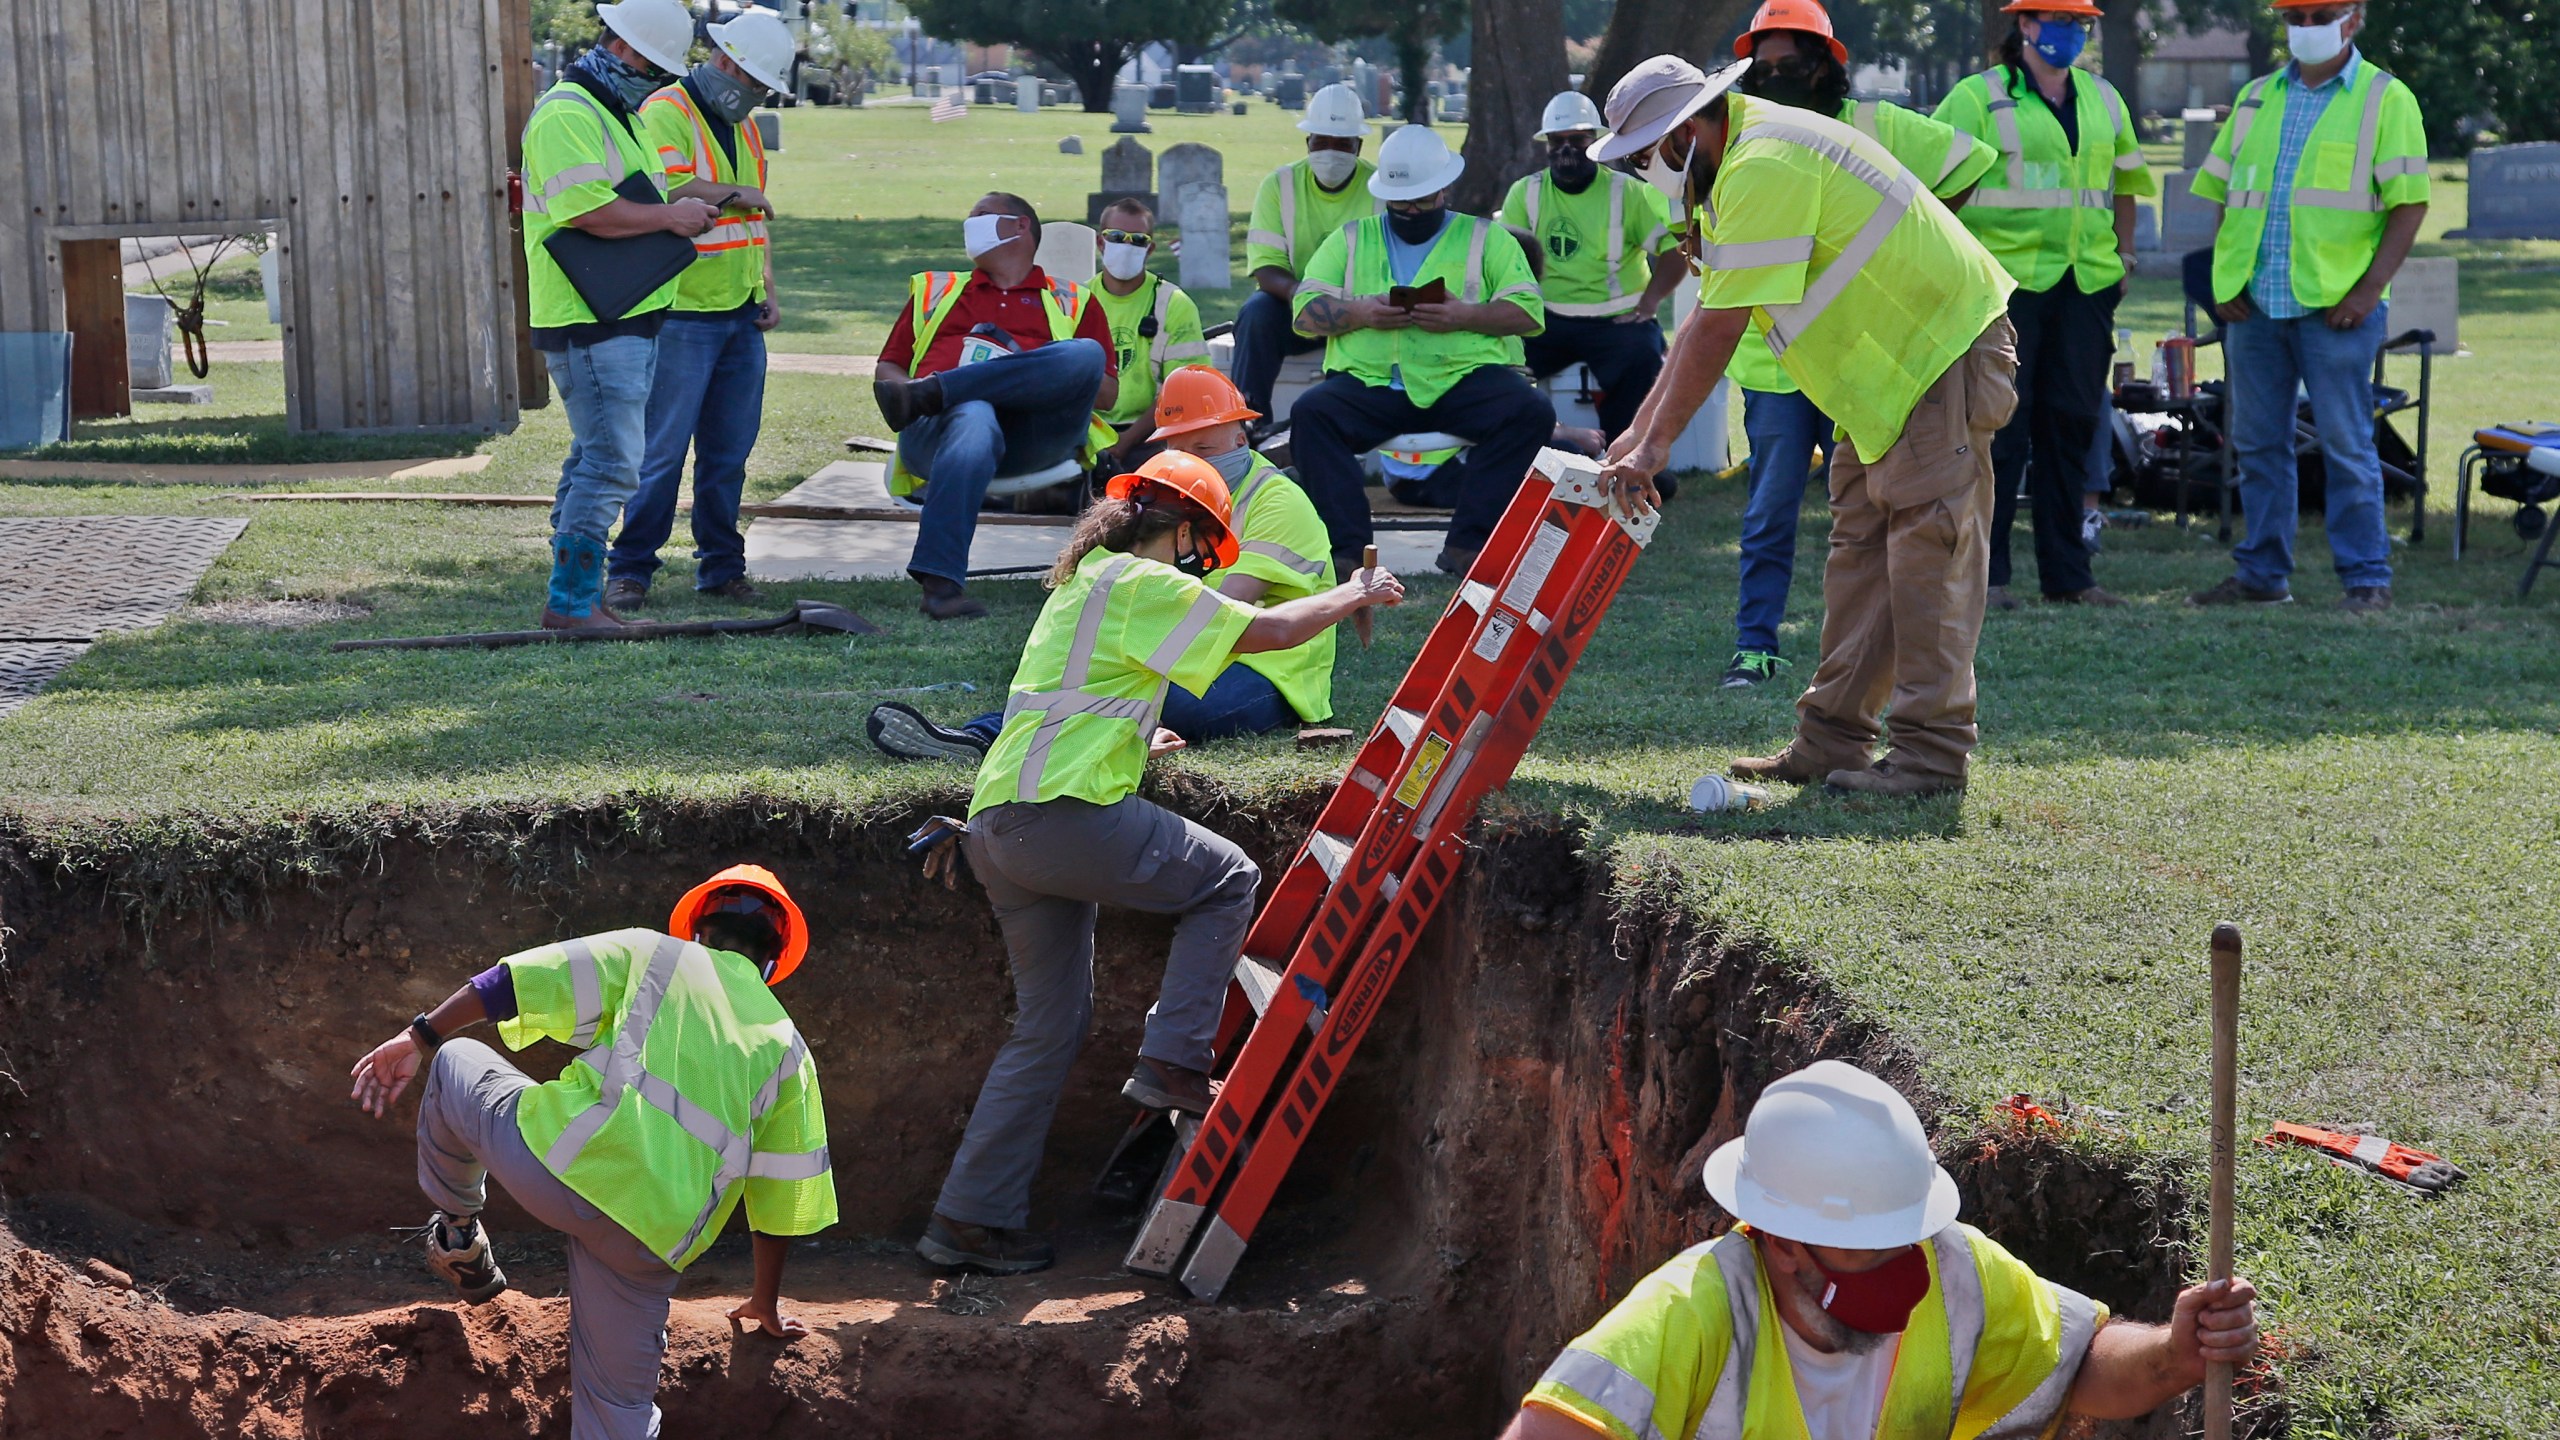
[1047, 868]
[618, 1290]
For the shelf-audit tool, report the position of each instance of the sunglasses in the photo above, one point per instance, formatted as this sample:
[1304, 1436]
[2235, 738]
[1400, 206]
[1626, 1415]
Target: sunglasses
[1139, 238]
[1413, 207]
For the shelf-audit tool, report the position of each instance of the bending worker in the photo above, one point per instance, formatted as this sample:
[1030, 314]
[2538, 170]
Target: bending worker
[1442, 364]
[1597, 231]
[2322, 176]
[708, 393]
[1297, 207]
[1155, 328]
[2057, 213]
[1840, 1308]
[693, 1091]
[1057, 828]
[1888, 316]
[1796, 60]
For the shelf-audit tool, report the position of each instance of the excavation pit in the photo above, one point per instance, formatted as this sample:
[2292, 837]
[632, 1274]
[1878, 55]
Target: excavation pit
[1518, 1140]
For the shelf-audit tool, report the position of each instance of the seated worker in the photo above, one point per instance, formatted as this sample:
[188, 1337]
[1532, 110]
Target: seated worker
[1795, 60]
[1438, 365]
[1434, 479]
[996, 368]
[1591, 230]
[1281, 557]
[694, 1091]
[1849, 1304]
[1298, 206]
[1155, 330]
[1057, 829]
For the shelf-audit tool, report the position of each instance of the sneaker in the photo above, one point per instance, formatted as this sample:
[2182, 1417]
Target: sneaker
[2091, 596]
[1999, 598]
[1788, 765]
[458, 1250]
[1156, 1085]
[1750, 668]
[2092, 523]
[740, 590]
[2232, 592]
[626, 595]
[954, 1246]
[2366, 599]
[1890, 780]
[903, 733]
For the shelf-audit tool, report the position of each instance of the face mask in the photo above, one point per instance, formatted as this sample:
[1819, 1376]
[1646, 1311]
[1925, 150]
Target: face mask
[1786, 82]
[2316, 44]
[1123, 262]
[1233, 464]
[628, 84]
[1331, 167]
[2059, 41]
[723, 94]
[1571, 165]
[1192, 563]
[1877, 1301]
[1417, 228]
[1672, 180]
[981, 233]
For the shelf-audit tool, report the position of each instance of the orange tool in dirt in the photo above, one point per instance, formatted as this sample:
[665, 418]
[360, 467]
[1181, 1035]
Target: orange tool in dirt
[1362, 620]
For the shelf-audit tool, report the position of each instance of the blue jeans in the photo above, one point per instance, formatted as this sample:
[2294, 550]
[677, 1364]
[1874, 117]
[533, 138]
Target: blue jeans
[2268, 359]
[1241, 701]
[1783, 431]
[1019, 413]
[1264, 337]
[709, 396]
[604, 388]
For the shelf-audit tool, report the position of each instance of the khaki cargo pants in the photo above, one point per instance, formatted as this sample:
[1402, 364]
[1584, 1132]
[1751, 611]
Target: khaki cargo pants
[1902, 592]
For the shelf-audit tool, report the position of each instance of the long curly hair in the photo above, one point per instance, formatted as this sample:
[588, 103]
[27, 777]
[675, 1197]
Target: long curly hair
[1124, 525]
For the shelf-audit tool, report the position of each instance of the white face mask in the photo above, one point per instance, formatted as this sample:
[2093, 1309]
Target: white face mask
[982, 233]
[1331, 167]
[1672, 180]
[1123, 262]
[2316, 44]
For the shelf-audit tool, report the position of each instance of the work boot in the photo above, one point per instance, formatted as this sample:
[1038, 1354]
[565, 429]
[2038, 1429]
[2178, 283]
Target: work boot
[2094, 595]
[903, 733]
[1159, 1085]
[458, 1250]
[2232, 592]
[575, 600]
[599, 618]
[1788, 764]
[1999, 598]
[955, 1246]
[2366, 599]
[740, 590]
[904, 402]
[1453, 561]
[944, 600]
[626, 595]
[1888, 779]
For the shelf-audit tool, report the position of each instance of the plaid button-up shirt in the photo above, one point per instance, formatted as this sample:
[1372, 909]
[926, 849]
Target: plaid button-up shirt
[2272, 286]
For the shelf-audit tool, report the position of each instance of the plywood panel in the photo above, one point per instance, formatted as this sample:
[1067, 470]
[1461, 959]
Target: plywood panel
[93, 311]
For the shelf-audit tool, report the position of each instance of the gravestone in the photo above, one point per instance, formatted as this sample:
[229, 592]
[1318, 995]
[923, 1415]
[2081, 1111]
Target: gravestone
[2186, 223]
[1128, 170]
[769, 130]
[1207, 263]
[1184, 166]
[1323, 75]
[2515, 193]
[1129, 110]
[1364, 83]
[2427, 295]
[1072, 145]
[2146, 227]
[1026, 94]
[1291, 92]
[1195, 89]
[2199, 127]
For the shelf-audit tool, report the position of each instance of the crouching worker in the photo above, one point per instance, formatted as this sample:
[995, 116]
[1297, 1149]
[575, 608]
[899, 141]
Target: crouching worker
[1056, 828]
[694, 1091]
[1849, 1303]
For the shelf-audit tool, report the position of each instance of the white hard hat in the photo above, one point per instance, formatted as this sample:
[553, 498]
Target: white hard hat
[661, 30]
[1656, 95]
[1335, 110]
[1834, 1156]
[1571, 110]
[761, 44]
[1415, 162]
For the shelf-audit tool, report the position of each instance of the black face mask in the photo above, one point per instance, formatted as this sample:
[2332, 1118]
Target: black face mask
[1194, 564]
[1786, 82]
[1417, 228]
[1571, 166]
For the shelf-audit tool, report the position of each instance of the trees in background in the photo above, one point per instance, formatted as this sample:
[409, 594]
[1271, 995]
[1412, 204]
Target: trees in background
[1089, 40]
[1413, 27]
[1518, 46]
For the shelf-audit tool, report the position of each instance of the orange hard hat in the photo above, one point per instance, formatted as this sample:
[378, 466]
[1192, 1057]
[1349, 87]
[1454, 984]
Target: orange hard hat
[2085, 9]
[1196, 397]
[1805, 15]
[1195, 480]
[795, 926]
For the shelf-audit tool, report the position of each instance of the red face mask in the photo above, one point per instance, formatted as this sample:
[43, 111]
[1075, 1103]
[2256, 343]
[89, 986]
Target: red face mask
[1877, 1301]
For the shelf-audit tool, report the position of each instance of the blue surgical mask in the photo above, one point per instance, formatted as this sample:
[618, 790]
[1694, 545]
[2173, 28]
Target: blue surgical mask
[628, 84]
[2060, 42]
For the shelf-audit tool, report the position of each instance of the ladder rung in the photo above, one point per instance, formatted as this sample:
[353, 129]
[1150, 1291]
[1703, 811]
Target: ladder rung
[1405, 723]
[1260, 980]
[1476, 593]
[1329, 851]
[1361, 777]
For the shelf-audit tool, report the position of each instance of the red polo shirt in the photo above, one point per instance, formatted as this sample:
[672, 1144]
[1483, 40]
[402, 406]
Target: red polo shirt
[1017, 309]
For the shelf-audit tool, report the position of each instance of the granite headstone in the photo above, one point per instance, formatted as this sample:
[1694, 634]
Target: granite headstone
[2186, 223]
[1206, 260]
[1128, 171]
[1184, 166]
[2515, 192]
[1129, 110]
[2199, 127]
[2427, 295]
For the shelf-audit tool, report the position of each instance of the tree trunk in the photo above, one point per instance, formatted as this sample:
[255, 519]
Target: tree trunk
[1092, 64]
[1694, 29]
[2120, 58]
[1995, 29]
[1518, 47]
[1413, 64]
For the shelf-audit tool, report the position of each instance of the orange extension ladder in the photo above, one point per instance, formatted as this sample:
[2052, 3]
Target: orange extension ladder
[1347, 912]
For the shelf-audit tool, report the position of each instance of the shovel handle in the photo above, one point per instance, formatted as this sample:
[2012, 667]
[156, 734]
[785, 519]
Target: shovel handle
[2226, 1085]
[1362, 622]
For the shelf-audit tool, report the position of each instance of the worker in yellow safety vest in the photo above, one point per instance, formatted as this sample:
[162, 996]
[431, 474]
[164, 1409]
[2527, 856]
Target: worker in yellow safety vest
[1155, 328]
[2057, 213]
[2321, 176]
[582, 141]
[1056, 827]
[691, 1093]
[1297, 207]
[708, 393]
[996, 369]
[1888, 315]
[1850, 1304]
[1796, 60]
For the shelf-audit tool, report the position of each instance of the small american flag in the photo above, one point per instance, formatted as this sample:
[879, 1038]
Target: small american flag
[949, 107]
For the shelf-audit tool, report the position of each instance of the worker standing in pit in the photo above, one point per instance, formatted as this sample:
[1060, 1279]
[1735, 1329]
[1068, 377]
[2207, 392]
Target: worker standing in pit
[1849, 1304]
[2057, 213]
[708, 393]
[693, 1091]
[1057, 829]
[583, 140]
[1888, 315]
[1297, 206]
[1796, 60]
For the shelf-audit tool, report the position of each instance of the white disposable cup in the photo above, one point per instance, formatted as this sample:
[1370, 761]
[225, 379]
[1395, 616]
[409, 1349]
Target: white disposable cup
[1715, 792]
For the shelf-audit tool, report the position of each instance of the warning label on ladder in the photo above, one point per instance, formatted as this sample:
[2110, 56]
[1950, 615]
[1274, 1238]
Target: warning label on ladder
[1540, 558]
[1426, 763]
[1497, 633]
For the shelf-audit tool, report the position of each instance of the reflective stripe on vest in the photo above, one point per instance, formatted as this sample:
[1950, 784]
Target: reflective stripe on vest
[730, 232]
[2359, 193]
[935, 292]
[1471, 286]
[538, 202]
[1895, 194]
[1619, 301]
[2015, 195]
[1071, 698]
[1287, 240]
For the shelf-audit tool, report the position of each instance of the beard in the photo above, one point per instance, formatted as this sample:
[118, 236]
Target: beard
[1826, 1331]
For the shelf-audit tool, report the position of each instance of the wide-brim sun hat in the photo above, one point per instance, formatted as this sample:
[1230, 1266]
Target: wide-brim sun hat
[1834, 1156]
[1655, 96]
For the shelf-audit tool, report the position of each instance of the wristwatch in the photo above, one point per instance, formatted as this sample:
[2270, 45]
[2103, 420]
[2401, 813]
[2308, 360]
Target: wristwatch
[425, 1034]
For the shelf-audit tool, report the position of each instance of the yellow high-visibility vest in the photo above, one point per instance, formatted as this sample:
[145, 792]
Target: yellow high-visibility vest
[1476, 259]
[1283, 542]
[728, 266]
[2045, 212]
[2366, 156]
[574, 154]
[1292, 215]
[931, 295]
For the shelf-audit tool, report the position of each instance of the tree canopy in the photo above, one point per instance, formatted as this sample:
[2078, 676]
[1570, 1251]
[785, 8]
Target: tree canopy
[1088, 39]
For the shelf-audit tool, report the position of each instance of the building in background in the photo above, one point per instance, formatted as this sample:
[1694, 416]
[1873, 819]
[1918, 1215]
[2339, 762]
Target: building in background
[2185, 71]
